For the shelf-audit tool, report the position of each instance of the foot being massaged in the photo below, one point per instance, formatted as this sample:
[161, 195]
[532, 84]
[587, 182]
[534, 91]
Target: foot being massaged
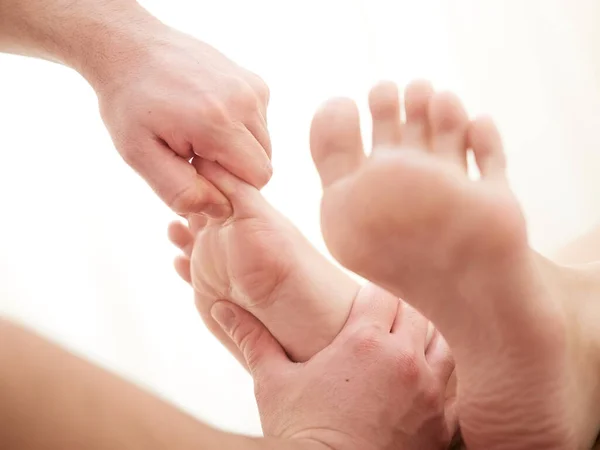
[461, 336]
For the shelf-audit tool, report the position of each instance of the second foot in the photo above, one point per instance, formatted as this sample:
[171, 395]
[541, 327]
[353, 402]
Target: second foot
[410, 219]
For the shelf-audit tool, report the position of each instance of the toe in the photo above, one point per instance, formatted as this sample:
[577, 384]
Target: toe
[384, 102]
[486, 143]
[335, 140]
[243, 196]
[196, 223]
[182, 267]
[449, 124]
[181, 237]
[416, 103]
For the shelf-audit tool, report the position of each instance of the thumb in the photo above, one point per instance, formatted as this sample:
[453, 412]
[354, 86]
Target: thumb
[175, 180]
[260, 349]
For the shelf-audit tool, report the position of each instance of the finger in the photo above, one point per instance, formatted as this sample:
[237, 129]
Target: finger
[181, 237]
[182, 267]
[204, 301]
[264, 114]
[410, 327]
[257, 126]
[238, 151]
[174, 180]
[440, 359]
[373, 306]
[261, 90]
[262, 352]
[431, 331]
[246, 201]
[452, 425]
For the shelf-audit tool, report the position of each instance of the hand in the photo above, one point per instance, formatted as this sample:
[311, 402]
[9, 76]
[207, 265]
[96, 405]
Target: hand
[173, 98]
[375, 387]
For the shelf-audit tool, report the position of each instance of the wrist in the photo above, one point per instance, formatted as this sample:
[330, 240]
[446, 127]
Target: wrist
[110, 44]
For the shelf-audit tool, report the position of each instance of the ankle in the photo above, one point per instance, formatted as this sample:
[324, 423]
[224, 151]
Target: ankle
[582, 297]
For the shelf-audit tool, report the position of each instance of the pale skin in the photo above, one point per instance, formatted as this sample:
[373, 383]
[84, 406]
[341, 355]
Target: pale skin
[166, 98]
[163, 95]
[258, 260]
[583, 250]
[155, 140]
[523, 330]
[51, 399]
[377, 385]
[268, 248]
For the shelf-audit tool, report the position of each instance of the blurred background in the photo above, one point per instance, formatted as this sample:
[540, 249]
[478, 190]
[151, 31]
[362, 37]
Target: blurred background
[84, 257]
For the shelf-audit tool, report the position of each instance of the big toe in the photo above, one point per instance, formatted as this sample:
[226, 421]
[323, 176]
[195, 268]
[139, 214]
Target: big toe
[335, 140]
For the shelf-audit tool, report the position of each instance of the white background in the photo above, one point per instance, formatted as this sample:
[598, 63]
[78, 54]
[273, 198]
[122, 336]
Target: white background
[83, 251]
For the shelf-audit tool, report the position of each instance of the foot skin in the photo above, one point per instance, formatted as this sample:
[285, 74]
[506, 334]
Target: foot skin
[409, 219]
[258, 260]
[435, 423]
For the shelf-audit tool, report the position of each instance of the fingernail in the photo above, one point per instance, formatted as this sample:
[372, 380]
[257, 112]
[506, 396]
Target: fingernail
[224, 315]
[218, 211]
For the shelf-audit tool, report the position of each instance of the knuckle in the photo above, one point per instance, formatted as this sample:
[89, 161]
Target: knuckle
[259, 86]
[132, 154]
[431, 399]
[264, 92]
[243, 337]
[366, 341]
[184, 201]
[248, 340]
[213, 111]
[408, 368]
[244, 96]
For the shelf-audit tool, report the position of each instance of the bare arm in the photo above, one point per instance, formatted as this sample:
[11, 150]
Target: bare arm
[94, 37]
[164, 96]
[52, 400]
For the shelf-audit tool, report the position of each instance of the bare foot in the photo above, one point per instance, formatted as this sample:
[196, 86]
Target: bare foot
[409, 219]
[435, 423]
[258, 260]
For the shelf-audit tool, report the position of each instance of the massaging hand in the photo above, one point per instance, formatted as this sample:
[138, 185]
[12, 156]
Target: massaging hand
[176, 97]
[371, 389]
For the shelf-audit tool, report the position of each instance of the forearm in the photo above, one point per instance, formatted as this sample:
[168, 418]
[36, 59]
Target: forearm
[52, 400]
[95, 37]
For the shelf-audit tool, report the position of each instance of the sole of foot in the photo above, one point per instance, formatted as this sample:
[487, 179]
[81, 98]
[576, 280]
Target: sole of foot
[411, 220]
[260, 261]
